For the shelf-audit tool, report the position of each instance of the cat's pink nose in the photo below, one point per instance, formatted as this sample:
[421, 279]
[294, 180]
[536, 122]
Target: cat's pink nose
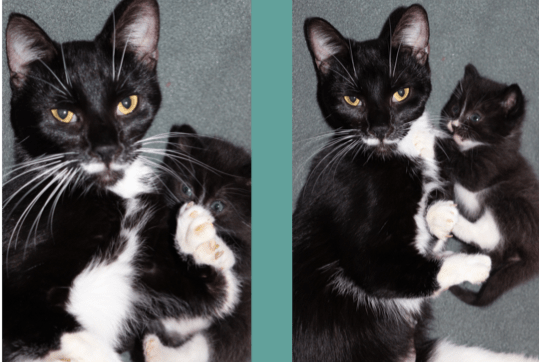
[452, 124]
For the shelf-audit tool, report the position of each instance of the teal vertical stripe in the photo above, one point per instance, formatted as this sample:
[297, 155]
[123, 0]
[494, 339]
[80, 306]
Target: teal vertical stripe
[271, 42]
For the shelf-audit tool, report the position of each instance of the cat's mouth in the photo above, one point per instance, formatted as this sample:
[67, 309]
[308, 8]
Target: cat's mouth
[104, 175]
[381, 148]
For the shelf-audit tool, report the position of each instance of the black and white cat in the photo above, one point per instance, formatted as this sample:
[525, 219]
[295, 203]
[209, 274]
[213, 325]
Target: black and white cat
[364, 259]
[199, 258]
[495, 188]
[78, 110]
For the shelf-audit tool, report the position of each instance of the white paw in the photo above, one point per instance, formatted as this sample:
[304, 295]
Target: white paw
[458, 268]
[423, 143]
[196, 235]
[194, 350]
[441, 218]
[83, 347]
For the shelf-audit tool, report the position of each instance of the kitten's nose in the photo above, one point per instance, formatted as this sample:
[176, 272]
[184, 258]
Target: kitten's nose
[452, 124]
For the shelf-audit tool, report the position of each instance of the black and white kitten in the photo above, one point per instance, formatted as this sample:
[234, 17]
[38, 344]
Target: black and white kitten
[495, 188]
[199, 255]
[364, 265]
[78, 110]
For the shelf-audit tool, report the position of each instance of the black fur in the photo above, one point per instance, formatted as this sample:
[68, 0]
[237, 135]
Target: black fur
[354, 220]
[509, 187]
[45, 250]
[213, 170]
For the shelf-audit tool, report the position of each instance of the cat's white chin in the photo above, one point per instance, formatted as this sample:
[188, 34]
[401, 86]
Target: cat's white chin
[137, 179]
[466, 144]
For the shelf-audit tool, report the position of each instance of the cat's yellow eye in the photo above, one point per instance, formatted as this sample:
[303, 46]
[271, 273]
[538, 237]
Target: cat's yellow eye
[127, 105]
[401, 94]
[63, 115]
[353, 101]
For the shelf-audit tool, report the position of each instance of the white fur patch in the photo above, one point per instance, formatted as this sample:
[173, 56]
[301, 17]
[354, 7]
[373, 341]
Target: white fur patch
[465, 145]
[448, 352]
[185, 327]
[371, 141]
[83, 347]
[459, 268]
[93, 167]
[137, 180]
[404, 307]
[467, 200]
[197, 349]
[102, 296]
[483, 232]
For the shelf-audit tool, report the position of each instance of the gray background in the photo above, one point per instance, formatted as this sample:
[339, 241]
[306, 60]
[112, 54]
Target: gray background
[204, 63]
[501, 39]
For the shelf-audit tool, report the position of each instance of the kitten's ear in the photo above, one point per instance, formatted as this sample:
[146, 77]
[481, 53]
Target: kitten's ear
[324, 42]
[513, 101]
[412, 32]
[26, 42]
[134, 25]
[183, 138]
[470, 72]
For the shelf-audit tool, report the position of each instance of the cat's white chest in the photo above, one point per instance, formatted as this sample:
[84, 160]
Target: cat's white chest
[467, 200]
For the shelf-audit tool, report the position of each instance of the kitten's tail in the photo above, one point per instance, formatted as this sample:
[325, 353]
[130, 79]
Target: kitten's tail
[444, 351]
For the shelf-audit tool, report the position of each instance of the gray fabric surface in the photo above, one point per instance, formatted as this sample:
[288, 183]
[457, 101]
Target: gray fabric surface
[501, 39]
[204, 61]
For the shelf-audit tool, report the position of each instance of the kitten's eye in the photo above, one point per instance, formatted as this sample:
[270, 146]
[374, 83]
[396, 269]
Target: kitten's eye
[455, 109]
[401, 94]
[353, 101]
[63, 115]
[475, 117]
[127, 105]
[187, 190]
[217, 206]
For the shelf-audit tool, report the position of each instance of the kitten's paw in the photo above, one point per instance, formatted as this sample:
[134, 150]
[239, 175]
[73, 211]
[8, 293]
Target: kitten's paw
[196, 349]
[423, 143]
[458, 268]
[441, 218]
[83, 347]
[196, 235]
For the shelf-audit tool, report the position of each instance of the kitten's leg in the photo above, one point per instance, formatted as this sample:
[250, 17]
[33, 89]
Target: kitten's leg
[459, 268]
[82, 347]
[484, 232]
[196, 349]
[442, 217]
[196, 236]
[445, 351]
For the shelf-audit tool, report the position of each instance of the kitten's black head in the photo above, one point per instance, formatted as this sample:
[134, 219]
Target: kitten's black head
[483, 112]
[85, 103]
[213, 173]
[377, 87]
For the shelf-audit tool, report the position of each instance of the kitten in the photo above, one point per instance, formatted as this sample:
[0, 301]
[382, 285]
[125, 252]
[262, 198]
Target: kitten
[495, 188]
[209, 181]
[364, 262]
[78, 111]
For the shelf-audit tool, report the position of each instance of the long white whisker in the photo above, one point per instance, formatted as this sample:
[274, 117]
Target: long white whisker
[65, 67]
[55, 76]
[113, 45]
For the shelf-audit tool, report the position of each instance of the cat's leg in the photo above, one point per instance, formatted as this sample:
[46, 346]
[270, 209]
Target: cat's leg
[82, 347]
[196, 236]
[196, 349]
[483, 232]
[445, 351]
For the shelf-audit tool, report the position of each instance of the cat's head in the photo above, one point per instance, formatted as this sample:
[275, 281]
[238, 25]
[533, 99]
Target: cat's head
[85, 104]
[482, 112]
[376, 88]
[212, 173]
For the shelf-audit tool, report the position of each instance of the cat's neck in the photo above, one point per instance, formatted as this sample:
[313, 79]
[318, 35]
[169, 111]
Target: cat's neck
[138, 179]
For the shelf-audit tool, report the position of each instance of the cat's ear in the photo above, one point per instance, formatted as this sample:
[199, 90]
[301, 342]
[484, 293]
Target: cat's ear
[412, 32]
[26, 42]
[471, 72]
[134, 25]
[513, 101]
[324, 42]
[183, 138]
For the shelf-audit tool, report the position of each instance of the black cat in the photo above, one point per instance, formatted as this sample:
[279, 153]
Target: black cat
[495, 188]
[203, 292]
[78, 110]
[364, 259]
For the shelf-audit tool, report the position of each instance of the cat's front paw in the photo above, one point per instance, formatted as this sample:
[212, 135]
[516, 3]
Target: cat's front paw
[83, 347]
[196, 349]
[459, 268]
[441, 218]
[423, 143]
[196, 235]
